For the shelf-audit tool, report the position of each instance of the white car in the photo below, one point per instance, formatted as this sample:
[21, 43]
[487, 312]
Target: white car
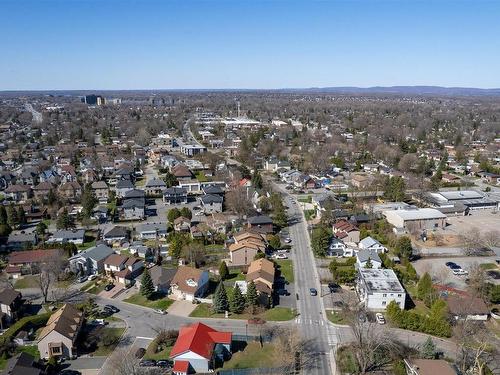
[380, 318]
[288, 240]
[460, 272]
[160, 311]
[92, 277]
[281, 256]
[199, 213]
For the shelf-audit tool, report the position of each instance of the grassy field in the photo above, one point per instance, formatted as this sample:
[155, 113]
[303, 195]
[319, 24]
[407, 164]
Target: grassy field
[86, 245]
[159, 303]
[336, 317]
[161, 355]
[286, 268]
[28, 281]
[253, 356]
[309, 214]
[93, 287]
[203, 310]
[104, 350]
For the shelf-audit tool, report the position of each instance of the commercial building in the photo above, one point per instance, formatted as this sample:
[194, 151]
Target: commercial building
[461, 201]
[417, 219]
[378, 287]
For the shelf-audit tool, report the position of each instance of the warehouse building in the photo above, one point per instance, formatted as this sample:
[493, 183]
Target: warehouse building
[414, 220]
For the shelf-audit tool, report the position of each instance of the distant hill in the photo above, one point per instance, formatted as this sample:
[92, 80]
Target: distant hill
[408, 90]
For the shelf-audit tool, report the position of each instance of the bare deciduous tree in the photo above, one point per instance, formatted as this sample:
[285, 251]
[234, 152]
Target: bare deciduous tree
[491, 238]
[238, 201]
[470, 241]
[292, 350]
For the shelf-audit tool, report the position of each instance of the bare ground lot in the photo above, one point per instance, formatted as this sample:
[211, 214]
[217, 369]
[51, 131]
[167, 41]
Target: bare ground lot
[484, 221]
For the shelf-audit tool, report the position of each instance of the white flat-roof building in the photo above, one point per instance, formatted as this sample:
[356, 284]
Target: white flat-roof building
[471, 199]
[417, 219]
[378, 287]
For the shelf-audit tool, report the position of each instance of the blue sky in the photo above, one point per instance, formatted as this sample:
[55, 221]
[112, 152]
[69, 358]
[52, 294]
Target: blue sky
[154, 44]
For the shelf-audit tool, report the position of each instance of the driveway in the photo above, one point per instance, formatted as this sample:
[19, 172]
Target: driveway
[112, 293]
[181, 308]
[85, 365]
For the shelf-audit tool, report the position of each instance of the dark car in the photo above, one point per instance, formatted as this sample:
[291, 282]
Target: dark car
[108, 287]
[332, 287]
[139, 353]
[313, 292]
[147, 363]
[163, 363]
[112, 308]
[104, 314]
[450, 264]
[283, 292]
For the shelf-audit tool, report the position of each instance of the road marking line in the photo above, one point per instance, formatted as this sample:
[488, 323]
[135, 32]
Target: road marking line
[145, 338]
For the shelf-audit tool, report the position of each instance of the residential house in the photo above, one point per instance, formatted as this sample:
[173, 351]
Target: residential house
[181, 172]
[117, 234]
[71, 190]
[262, 272]
[365, 257]
[213, 190]
[467, 308]
[245, 247]
[175, 195]
[199, 348]
[369, 243]
[361, 180]
[262, 224]
[182, 224]
[42, 190]
[10, 302]
[417, 366]
[91, 260]
[28, 262]
[76, 236]
[162, 278]
[337, 248]
[346, 231]
[155, 186]
[18, 193]
[21, 240]
[378, 287]
[122, 268]
[101, 191]
[211, 203]
[23, 364]
[132, 209]
[151, 231]
[123, 186]
[189, 283]
[58, 337]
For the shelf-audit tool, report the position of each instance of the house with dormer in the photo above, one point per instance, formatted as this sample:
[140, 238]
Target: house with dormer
[189, 283]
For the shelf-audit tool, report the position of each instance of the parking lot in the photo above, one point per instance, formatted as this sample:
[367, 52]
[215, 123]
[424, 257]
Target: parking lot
[441, 274]
[483, 220]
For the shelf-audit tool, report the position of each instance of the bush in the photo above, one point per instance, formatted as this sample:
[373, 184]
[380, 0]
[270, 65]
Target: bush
[25, 323]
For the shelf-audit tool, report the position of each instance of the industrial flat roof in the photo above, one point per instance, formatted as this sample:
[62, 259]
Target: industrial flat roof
[380, 280]
[460, 194]
[419, 214]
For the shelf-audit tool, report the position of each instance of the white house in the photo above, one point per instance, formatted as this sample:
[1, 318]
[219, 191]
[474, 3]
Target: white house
[123, 268]
[378, 287]
[369, 243]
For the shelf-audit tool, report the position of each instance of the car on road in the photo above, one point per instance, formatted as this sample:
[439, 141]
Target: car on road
[380, 318]
[288, 240]
[453, 266]
[281, 256]
[460, 272]
[111, 308]
[82, 279]
[332, 287]
[160, 311]
[108, 287]
[139, 353]
[196, 208]
[256, 321]
[92, 277]
[163, 363]
[147, 363]
[313, 292]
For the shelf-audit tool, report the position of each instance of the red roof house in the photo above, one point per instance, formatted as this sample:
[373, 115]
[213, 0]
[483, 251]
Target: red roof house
[200, 346]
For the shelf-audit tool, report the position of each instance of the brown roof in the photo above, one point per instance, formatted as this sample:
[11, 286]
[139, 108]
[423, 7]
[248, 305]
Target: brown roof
[244, 244]
[248, 234]
[116, 260]
[43, 186]
[8, 295]
[32, 256]
[181, 219]
[466, 305]
[184, 274]
[65, 321]
[432, 367]
[180, 170]
[261, 268]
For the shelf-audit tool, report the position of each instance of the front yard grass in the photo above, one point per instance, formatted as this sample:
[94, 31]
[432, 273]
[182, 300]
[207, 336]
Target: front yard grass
[161, 355]
[28, 281]
[286, 268]
[155, 303]
[278, 313]
[253, 356]
[111, 335]
[336, 317]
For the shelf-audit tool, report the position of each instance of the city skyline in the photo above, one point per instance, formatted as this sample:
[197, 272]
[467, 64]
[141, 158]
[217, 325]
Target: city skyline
[56, 45]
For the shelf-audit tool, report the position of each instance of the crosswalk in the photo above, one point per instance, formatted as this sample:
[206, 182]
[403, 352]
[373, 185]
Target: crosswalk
[314, 322]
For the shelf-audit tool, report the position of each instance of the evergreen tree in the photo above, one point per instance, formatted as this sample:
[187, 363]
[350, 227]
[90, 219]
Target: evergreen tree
[320, 240]
[425, 291]
[21, 216]
[237, 304]
[3, 215]
[51, 197]
[369, 263]
[274, 242]
[251, 297]
[64, 221]
[41, 228]
[428, 349]
[257, 182]
[173, 214]
[170, 179]
[12, 216]
[403, 247]
[147, 287]
[89, 201]
[5, 228]
[223, 271]
[186, 212]
[220, 303]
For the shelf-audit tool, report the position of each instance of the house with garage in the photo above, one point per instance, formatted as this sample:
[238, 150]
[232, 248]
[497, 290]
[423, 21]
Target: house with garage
[132, 209]
[262, 224]
[123, 269]
[370, 243]
[162, 278]
[262, 272]
[155, 187]
[123, 186]
[200, 349]
[346, 231]
[76, 236]
[467, 308]
[368, 259]
[211, 203]
[58, 337]
[28, 262]
[152, 231]
[117, 234]
[336, 248]
[245, 247]
[90, 261]
[181, 172]
[189, 283]
[175, 195]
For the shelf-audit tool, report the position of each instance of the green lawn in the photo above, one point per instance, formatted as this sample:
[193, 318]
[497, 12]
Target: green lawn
[235, 275]
[286, 268]
[161, 355]
[253, 356]
[28, 281]
[305, 199]
[309, 214]
[336, 317]
[488, 266]
[105, 350]
[139, 299]
[203, 310]
[94, 287]
[200, 176]
[86, 245]
[31, 349]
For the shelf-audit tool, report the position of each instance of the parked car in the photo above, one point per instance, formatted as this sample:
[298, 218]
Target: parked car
[147, 363]
[332, 287]
[165, 364]
[139, 353]
[196, 208]
[460, 272]
[160, 311]
[199, 213]
[313, 292]
[112, 308]
[288, 240]
[92, 277]
[453, 266]
[283, 292]
[82, 279]
[108, 287]
[281, 256]
[380, 318]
